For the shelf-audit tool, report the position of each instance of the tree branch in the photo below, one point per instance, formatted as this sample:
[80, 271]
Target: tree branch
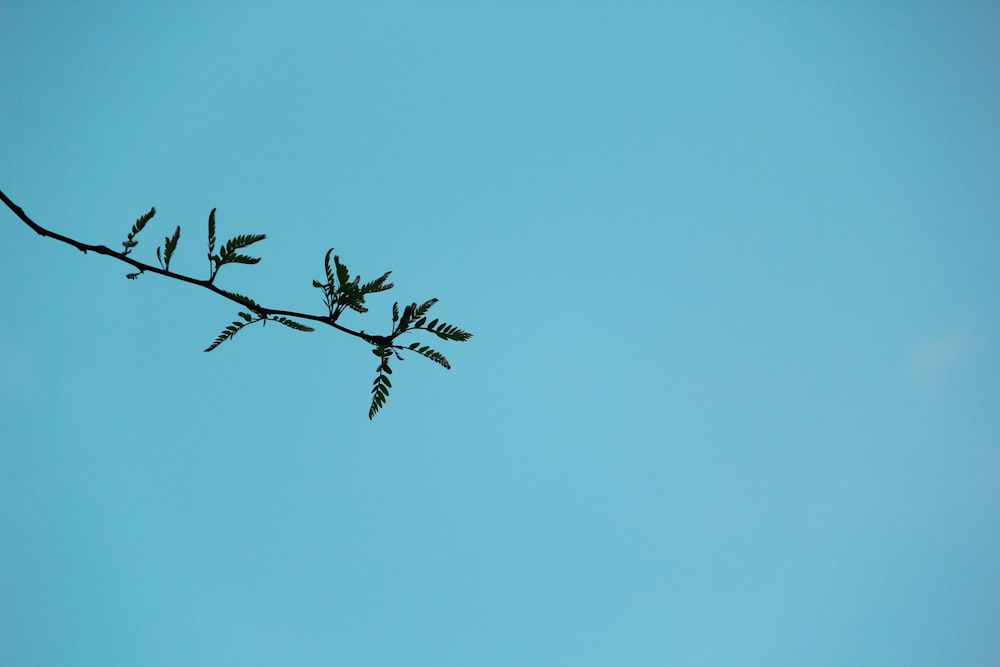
[340, 292]
[143, 267]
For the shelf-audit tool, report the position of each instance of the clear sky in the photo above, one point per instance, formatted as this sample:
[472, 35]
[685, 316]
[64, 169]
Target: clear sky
[734, 392]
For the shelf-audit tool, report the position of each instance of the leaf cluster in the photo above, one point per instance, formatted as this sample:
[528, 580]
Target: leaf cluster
[413, 318]
[228, 252]
[340, 291]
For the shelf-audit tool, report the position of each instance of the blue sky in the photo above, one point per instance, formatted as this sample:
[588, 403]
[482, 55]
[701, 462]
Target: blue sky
[731, 268]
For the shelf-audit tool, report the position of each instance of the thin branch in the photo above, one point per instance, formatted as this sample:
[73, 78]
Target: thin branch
[207, 284]
[339, 293]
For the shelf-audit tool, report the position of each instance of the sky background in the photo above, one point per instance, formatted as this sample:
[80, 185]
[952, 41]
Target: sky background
[732, 270]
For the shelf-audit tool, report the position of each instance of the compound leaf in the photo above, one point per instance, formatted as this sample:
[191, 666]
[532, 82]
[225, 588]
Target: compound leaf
[240, 259]
[169, 245]
[292, 324]
[227, 253]
[424, 307]
[227, 333]
[140, 222]
[433, 355]
[211, 232]
[330, 277]
[343, 275]
[404, 321]
[377, 285]
[245, 300]
[449, 332]
[380, 388]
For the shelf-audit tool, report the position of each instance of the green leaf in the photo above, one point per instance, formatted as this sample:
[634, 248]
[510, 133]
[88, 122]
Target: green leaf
[330, 278]
[377, 285]
[170, 244]
[245, 300]
[241, 259]
[395, 312]
[380, 388]
[404, 321]
[227, 253]
[211, 232]
[430, 354]
[140, 222]
[241, 241]
[440, 329]
[379, 394]
[292, 324]
[449, 332]
[424, 307]
[343, 275]
[227, 333]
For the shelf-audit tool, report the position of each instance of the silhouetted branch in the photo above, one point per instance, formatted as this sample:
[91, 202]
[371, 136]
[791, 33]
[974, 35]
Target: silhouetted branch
[340, 293]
